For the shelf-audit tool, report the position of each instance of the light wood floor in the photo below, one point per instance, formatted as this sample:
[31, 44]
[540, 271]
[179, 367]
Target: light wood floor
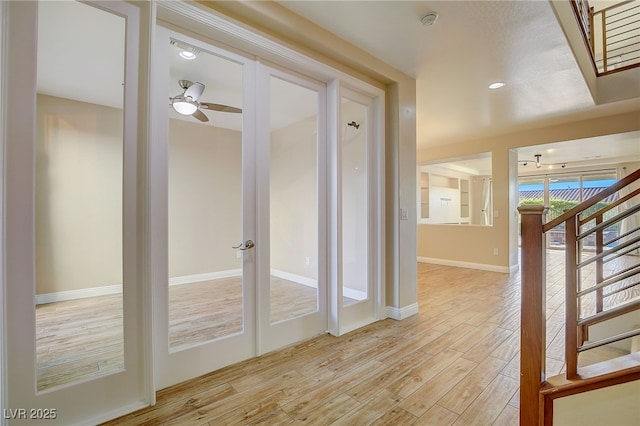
[79, 339]
[457, 362]
[454, 363]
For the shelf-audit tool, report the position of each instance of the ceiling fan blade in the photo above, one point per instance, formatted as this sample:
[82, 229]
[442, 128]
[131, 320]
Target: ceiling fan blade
[194, 91]
[200, 115]
[219, 107]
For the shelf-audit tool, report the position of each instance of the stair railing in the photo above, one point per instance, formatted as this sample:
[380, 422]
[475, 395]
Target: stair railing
[612, 34]
[533, 313]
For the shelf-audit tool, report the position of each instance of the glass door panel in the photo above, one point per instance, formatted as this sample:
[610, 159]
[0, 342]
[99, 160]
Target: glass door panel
[355, 203]
[357, 294]
[204, 200]
[291, 186]
[74, 342]
[293, 200]
[205, 197]
[79, 198]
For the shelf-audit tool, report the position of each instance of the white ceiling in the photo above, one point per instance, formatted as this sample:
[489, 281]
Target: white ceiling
[472, 44]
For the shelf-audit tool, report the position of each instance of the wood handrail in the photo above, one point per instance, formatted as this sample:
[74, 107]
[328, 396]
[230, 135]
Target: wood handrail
[593, 200]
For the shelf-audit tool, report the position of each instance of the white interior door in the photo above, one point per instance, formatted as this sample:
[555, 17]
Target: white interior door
[292, 215]
[75, 341]
[205, 205]
[357, 249]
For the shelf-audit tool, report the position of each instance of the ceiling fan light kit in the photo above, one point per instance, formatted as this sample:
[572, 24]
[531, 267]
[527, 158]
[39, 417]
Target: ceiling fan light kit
[184, 106]
[187, 102]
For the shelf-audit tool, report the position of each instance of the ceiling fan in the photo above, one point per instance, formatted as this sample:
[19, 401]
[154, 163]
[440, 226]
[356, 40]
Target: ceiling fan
[187, 103]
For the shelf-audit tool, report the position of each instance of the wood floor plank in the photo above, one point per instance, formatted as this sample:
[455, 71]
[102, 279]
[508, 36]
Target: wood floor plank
[394, 417]
[428, 394]
[369, 387]
[508, 417]
[299, 408]
[367, 413]
[437, 416]
[418, 376]
[330, 411]
[486, 408]
[468, 389]
[490, 343]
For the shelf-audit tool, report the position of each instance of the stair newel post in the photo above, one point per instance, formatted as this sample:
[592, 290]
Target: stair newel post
[533, 312]
[572, 255]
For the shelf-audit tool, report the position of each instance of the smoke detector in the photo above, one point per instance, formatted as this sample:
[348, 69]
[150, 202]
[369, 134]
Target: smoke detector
[429, 19]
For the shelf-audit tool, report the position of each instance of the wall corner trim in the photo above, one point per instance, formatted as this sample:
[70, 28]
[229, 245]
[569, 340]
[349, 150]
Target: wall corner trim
[402, 313]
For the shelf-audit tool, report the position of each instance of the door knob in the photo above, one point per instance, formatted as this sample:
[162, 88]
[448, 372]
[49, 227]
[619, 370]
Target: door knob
[245, 246]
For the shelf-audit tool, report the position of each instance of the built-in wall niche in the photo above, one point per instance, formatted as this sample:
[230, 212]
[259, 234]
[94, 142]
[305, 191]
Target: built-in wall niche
[456, 191]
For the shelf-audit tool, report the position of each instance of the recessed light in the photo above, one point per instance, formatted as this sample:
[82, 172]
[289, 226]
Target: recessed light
[187, 55]
[496, 85]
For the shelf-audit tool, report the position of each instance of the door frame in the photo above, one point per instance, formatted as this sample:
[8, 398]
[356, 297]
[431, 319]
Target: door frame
[345, 319]
[97, 399]
[271, 336]
[196, 360]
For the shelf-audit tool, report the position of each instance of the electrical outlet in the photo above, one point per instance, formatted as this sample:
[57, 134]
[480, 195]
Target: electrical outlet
[238, 254]
[495, 251]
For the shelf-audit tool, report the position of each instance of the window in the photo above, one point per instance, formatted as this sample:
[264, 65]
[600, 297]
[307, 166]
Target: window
[562, 192]
[456, 191]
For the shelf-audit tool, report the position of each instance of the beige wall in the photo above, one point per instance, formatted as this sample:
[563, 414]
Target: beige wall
[78, 195]
[613, 405]
[294, 199]
[205, 198]
[460, 243]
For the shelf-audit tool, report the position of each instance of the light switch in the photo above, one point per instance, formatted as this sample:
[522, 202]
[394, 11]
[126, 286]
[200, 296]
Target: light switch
[404, 213]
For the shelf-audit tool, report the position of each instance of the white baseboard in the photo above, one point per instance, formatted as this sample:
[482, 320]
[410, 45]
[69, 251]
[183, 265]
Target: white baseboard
[470, 265]
[299, 279]
[61, 296]
[207, 276]
[402, 313]
[354, 294]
